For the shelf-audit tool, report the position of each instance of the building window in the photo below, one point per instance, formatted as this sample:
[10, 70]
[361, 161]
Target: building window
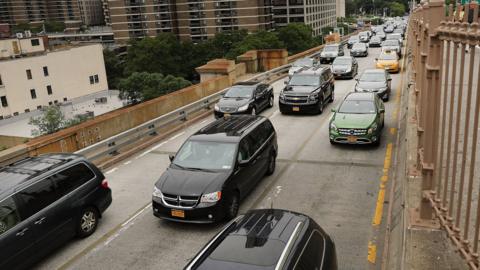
[65, 99]
[1, 82]
[45, 71]
[33, 94]
[35, 42]
[4, 101]
[39, 107]
[92, 80]
[15, 114]
[96, 78]
[27, 110]
[50, 103]
[29, 74]
[49, 89]
[55, 101]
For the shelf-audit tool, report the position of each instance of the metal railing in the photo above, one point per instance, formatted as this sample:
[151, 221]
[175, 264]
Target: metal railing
[442, 41]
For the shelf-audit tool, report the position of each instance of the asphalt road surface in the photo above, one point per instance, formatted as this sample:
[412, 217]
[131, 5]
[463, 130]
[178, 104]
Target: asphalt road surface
[339, 186]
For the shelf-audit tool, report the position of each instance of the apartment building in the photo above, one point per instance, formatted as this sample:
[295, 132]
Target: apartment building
[91, 12]
[189, 19]
[340, 8]
[30, 82]
[316, 13]
[34, 12]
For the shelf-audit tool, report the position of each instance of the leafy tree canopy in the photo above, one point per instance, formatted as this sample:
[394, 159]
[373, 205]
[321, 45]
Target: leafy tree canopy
[297, 37]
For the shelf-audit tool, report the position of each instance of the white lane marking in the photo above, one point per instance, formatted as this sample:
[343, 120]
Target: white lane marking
[203, 122]
[136, 215]
[124, 226]
[111, 171]
[127, 162]
[276, 113]
[176, 136]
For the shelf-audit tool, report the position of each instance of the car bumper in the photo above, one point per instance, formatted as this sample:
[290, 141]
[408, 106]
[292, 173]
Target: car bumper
[105, 200]
[374, 45]
[210, 214]
[218, 114]
[338, 74]
[359, 139]
[390, 68]
[356, 54]
[302, 108]
[327, 59]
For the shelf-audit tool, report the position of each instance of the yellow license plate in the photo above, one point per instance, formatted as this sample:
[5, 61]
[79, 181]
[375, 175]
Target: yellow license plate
[352, 139]
[178, 213]
[226, 114]
[296, 109]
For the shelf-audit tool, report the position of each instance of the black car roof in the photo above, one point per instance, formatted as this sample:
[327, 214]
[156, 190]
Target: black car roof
[261, 237]
[21, 172]
[228, 129]
[247, 83]
[360, 96]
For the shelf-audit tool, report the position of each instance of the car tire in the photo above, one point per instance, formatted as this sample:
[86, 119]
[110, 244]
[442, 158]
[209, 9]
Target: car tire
[332, 97]
[320, 106]
[270, 102]
[377, 143]
[272, 163]
[332, 142]
[253, 112]
[87, 222]
[386, 97]
[233, 204]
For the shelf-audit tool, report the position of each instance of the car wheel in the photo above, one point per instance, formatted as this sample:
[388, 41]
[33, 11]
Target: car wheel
[87, 222]
[271, 164]
[320, 106]
[386, 97]
[233, 204]
[270, 102]
[377, 143]
[332, 142]
[254, 112]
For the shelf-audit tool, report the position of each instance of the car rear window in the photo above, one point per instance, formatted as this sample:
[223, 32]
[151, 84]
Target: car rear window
[245, 250]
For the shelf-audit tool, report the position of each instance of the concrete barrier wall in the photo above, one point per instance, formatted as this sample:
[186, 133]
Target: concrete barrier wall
[10, 141]
[240, 69]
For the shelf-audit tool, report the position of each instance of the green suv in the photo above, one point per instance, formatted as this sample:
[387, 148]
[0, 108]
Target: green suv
[358, 120]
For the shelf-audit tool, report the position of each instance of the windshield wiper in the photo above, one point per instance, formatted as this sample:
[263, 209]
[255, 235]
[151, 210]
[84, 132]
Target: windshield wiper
[199, 169]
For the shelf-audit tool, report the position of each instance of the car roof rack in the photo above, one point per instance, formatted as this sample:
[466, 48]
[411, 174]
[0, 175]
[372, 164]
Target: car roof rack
[288, 246]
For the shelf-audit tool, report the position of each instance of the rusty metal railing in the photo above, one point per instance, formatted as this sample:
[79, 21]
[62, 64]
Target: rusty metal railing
[443, 42]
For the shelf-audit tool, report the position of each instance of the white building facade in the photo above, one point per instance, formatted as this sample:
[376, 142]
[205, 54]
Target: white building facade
[340, 8]
[31, 82]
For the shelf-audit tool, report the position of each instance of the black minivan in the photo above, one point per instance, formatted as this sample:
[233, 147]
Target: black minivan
[44, 202]
[215, 169]
[268, 239]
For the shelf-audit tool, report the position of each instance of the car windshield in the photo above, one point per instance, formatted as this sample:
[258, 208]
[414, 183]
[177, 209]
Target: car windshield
[342, 61]
[304, 80]
[239, 92]
[357, 107]
[391, 42]
[358, 46]
[205, 155]
[394, 36]
[330, 49]
[372, 77]
[303, 62]
[387, 56]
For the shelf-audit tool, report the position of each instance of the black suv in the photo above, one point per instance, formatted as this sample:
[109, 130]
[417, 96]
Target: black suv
[45, 201]
[308, 91]
[245, 98]
[215, 169]
[268, 239]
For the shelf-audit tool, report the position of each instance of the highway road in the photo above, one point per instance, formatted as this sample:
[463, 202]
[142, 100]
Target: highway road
[341, 187]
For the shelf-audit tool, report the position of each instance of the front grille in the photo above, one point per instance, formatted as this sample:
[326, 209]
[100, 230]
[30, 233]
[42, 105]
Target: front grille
[352, 131]
[228, 109]
[296, 99]
[180, 201]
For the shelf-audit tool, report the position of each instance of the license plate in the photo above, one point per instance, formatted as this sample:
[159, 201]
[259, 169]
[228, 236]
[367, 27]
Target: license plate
[352, 139]
[328, 59]
[296, 109]
[178, 213]
[226, 114]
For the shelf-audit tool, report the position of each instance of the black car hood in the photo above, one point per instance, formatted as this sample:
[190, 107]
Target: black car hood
[233, 102]
[371, 85]
[191, 183]
[341, 67]
[299, 90]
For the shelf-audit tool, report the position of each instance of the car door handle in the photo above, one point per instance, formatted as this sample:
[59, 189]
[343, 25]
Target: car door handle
[22, 232]
[39, 221]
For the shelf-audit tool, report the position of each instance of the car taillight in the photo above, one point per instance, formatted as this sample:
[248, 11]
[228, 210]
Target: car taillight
[105, 183]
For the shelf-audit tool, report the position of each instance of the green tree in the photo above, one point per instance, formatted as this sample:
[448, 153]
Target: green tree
[256, 41]
[49, 122]
[144, 86]
[113, 67]
[397, 9]
[297, 37]
[54, 26]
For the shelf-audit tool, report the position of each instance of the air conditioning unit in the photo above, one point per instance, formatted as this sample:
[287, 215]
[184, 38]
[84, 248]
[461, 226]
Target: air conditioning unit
[28, 33]
[217, 4]
[19, 35]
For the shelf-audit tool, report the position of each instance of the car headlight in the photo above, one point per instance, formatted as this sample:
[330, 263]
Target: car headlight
[348, 69]
[244, 107]
[156, 192]
[333, 127]
[313, 96]
[372, 128]
[211, 197]
[216, 108]
[282, 96]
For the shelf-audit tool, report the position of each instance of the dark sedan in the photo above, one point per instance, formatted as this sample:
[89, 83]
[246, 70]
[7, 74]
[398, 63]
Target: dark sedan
[376, 81]
[375, 42]
[245, 98]
[359, 49]
[345, 67]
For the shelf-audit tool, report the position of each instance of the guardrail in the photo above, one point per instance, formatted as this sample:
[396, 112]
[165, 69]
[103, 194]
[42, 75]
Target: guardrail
[112, 145]
[442, 41]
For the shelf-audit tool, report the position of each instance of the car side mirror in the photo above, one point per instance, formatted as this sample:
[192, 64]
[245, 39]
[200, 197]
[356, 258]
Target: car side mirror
[171, 157]
[357, 79]
[285, 82]
[389, 79]
[242, 163]
[381, 110]
[333, 110]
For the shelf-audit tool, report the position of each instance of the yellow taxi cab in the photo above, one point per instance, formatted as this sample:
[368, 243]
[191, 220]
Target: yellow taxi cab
[388, 60]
